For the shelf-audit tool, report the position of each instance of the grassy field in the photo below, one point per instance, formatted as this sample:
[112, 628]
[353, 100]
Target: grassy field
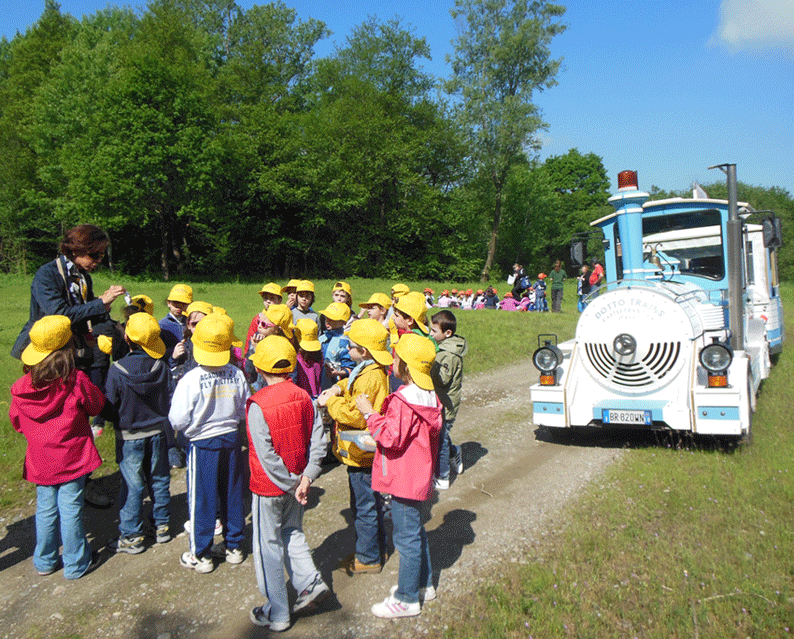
[495, 339]
[688, 540]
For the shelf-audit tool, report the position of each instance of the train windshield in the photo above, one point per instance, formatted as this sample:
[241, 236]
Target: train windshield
[690, 242]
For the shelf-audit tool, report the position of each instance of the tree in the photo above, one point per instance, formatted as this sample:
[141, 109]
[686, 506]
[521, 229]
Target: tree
[25, 64]
[501, 59]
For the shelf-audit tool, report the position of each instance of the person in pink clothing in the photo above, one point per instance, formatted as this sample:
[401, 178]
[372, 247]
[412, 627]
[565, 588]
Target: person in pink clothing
[406, 434]
[50, 406]
[508, 303]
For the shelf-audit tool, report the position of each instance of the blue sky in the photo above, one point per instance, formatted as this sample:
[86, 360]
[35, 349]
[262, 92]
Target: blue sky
[663, 87]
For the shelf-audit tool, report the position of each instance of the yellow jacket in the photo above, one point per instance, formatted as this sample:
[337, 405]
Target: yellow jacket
[372, 382]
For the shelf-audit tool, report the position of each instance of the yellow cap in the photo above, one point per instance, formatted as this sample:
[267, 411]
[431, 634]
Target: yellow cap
[308, 330]
[143, 330]
[304, 286]
[201, 307]
[49, 334]
[371, 334]
[377, 298]
[144, 302]
[414, 305]
[418, 353]
[236, 341]
[181, 293]
[212, 340]
[343, 286]
[105, 344]
[398, 290]
[274, 354]
[337, 311]
[281, 316]
[272, 288]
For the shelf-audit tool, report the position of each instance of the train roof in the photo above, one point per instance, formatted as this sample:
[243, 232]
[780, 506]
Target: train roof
[679, 202]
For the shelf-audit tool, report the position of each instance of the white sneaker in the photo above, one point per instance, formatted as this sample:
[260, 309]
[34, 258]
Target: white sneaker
[458, 460]
[425, 594]
[393, 608]
[234, 556]
[218, 527]
[199, 564]
[442, 484]
[261, 617]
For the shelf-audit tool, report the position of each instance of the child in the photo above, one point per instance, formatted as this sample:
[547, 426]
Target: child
[447, 377]
[209, 404]
[334, 344]
[304, 298]
[277, 320]
[410, 312]
[508, 303]
[309, 365]
[289, 290]
[286, 445]
[377, 307]
[430, 301]
[271, 293]
[139, 386]
[368, 350]
[182, 358]
[50, 406]
[409, 317]
[407, 445]
[540, 293]
[172, 326]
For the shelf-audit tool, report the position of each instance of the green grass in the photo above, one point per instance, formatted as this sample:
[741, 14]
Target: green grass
[690, 540]
[495, 339]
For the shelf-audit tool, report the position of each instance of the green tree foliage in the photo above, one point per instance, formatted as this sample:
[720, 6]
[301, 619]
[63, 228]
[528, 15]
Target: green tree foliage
[25, 64]
[501, 59]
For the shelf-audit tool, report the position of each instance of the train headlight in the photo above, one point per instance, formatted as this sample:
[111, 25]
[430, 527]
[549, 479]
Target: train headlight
[546, 359]
[716, 358]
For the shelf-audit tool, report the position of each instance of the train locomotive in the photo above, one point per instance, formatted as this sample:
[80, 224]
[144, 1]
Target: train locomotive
[684, 330]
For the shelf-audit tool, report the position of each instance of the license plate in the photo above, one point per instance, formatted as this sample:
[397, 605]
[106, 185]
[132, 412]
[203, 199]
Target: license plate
[627, 417]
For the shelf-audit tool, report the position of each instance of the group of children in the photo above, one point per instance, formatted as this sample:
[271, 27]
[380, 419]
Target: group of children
[387, 380]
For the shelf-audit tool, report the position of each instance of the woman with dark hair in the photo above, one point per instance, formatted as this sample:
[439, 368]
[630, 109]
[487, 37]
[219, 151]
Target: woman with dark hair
[64, 287]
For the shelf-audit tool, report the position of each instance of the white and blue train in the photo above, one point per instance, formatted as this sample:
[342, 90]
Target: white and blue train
[682, 333]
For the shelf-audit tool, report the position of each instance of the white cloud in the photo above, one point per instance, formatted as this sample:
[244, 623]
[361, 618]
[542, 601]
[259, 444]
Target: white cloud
[753, 24]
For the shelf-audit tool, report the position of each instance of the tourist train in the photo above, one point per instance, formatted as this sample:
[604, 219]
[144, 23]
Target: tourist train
[685, 328]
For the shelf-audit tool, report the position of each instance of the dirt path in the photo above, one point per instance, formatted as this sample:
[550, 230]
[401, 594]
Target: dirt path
[504, 504]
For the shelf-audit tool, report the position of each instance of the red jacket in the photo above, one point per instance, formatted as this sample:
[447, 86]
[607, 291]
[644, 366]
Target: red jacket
[54, 420]
[407, 437]
[289, 413]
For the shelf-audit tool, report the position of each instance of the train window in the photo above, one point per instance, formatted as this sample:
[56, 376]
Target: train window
[691, 240]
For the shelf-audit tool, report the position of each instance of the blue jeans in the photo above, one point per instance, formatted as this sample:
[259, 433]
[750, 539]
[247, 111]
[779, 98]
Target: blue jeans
[410, 540]
[367, 507]
[144, 464]
[59, 518]
[444, 448]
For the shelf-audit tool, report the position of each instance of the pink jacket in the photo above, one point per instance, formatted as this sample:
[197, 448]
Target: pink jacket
[508, 304]
[54, 420]
[407, 437]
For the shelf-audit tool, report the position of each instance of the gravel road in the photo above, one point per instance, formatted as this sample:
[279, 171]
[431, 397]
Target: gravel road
[503, 506]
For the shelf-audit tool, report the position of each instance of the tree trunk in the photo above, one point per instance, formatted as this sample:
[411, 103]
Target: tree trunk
[165, 246]
[497, 218]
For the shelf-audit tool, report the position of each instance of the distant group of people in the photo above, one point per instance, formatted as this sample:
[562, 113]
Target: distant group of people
[531, 296]
[387, 381]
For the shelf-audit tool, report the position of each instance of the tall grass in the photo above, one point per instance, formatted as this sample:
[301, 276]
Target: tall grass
[495, 338]
[688, 539]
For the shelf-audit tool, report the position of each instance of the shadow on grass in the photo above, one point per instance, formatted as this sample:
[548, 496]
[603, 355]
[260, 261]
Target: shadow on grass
[637, 439]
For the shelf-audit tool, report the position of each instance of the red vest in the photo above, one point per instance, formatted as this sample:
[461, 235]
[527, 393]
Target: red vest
[289, 413]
